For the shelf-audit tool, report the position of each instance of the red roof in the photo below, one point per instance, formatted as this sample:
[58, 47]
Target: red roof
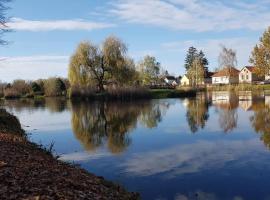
[250, 68]
[227, 71]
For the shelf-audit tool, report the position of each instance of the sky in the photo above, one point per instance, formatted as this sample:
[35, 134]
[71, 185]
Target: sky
[46, 32]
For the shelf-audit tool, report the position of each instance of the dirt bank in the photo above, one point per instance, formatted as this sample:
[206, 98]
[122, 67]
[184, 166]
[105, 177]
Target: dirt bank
[29, 172]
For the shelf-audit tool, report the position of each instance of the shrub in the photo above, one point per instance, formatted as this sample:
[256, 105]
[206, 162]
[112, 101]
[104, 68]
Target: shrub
[2, 87]
[22, 87]
[54, 87]
[82, 91]
[35, 87]
[128, 93]
[10, 93]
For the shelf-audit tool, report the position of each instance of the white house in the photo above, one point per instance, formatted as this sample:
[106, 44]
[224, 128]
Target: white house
[247, 75]
[228, 75]
[185, 81]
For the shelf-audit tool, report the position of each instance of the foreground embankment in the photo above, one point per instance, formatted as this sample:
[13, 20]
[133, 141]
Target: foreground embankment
[29, 172]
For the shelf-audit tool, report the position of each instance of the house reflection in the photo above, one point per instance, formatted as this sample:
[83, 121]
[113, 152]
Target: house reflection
[246, 100]
[226, 103]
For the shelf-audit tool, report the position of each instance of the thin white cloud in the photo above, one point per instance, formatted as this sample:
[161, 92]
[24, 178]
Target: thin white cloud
[83, 156]
[19, 24]
[33, 67]
[194, 15]
[193, 157]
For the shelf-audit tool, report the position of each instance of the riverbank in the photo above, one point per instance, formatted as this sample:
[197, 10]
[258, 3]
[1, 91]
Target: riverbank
[28, 171]
[238, 87]
[123, 94]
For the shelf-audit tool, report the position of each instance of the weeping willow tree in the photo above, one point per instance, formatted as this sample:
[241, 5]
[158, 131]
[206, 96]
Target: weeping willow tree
[94, 65]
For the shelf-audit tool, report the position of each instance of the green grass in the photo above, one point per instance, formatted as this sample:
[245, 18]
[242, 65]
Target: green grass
[239, 87]
[171, 93]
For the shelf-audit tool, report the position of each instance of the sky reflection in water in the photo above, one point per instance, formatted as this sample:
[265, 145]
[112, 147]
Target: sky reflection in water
[213, 147]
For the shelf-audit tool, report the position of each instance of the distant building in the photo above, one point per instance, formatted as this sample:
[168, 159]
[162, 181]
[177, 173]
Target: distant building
[247, 75]
[170, 80]
[185, 81]
[208, 77]
[228, 75]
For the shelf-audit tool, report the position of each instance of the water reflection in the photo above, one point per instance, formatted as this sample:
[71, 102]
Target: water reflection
[54, 105]
[129, 142]
[261, 122]
[110, 122]
[197, 112]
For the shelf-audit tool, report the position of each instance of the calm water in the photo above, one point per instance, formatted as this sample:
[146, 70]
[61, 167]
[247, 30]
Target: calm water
[213, 147]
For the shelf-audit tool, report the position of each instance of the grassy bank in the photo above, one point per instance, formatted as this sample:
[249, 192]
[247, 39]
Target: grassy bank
[171, 93]
[28, 171]
[238, 87]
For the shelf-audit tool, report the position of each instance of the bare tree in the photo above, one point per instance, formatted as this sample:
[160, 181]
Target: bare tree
[3, 20]
[227, 58]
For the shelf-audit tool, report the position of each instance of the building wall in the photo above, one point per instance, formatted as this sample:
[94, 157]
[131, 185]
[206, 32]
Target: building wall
[245, 76]
[184, 81]
[225, 80]
[220, 80]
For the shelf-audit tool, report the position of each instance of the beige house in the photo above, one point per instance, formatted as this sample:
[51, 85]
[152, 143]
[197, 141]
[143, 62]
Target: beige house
[185, 81]
[228, 75]
[247, 75]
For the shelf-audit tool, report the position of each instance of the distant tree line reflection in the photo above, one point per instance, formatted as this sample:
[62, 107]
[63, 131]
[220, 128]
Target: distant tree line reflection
[108, 124]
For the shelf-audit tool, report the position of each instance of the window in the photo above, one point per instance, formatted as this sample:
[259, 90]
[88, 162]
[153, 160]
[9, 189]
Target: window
[247, 77]
[243, 77]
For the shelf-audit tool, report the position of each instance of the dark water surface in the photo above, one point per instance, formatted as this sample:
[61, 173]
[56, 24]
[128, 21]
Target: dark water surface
[213, 147]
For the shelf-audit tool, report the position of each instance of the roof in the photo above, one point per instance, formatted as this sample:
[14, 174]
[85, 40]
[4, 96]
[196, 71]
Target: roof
[250, 68]
[227, 71]
[209, 74]
[170, 77]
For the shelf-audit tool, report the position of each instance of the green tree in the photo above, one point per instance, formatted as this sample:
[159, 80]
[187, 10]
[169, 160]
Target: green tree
[149, 70]
[190, 57]
[193, 55]
[260, 56]
[54, 87]
[92, 64]
[3, 20]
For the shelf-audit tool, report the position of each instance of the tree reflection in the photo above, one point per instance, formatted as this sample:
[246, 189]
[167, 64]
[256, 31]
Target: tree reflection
[197, 112]
[261, 122]
[227, 103]
[100, 123]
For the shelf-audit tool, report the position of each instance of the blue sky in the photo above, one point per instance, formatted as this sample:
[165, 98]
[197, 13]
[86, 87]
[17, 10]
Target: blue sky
[46, 32]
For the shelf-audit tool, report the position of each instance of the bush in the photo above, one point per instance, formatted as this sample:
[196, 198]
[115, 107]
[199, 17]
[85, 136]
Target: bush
[128, 93]
[82, 91]
[35, 87]
[22, 87]
[54, 87]
[2, 87]
[10, 93]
